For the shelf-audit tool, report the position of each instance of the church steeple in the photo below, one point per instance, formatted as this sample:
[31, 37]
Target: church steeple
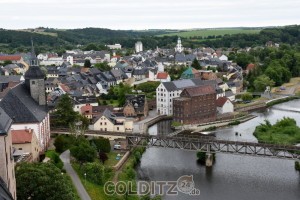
[33, 58]
[34, 79]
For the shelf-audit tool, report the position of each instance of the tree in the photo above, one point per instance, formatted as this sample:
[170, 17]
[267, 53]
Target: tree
[262, 82]
[102, 144]
[196, 64]
[37, 181]
[64, 115]
[102, 66]
[83, 152]
[87, 63]
[103, 157]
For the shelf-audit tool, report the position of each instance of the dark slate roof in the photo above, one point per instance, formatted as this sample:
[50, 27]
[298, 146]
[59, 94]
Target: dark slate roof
[34, 72]
[4, 192]
[170, 86]
[137, 101]
[5, 122]
[11, 78]
[21, 107]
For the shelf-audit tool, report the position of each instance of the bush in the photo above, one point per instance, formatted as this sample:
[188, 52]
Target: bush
[55, 159]
[63, 142]
[94, 172]
[236, 122]
[297, 165]
[247, 97]
[201, 156]
[211, 128]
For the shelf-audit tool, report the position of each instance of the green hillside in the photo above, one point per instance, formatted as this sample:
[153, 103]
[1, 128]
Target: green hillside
[210, 32]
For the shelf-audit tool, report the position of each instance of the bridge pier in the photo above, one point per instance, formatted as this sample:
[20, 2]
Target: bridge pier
[209, 159]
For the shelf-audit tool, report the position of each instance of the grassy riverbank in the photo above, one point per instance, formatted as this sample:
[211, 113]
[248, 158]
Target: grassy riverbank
[278, 101]
[284, 132]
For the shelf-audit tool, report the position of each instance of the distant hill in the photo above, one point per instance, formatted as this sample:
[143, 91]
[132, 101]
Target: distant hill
[47, 39]
[212, 32]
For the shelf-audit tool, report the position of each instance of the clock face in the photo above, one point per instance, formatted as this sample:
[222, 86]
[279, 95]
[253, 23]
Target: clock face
[185, 184]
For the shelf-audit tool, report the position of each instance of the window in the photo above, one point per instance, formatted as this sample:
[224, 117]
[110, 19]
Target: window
[104, 123]
[32, 82]
[100, 123]
[118, 128]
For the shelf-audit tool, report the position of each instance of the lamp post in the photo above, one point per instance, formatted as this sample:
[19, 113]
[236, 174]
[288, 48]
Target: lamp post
[84, 178]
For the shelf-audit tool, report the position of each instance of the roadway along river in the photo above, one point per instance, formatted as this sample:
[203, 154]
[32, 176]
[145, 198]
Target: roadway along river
[232, 176]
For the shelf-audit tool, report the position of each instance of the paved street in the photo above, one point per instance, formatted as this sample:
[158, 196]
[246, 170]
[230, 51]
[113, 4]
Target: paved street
[65, 157]
[138, 126]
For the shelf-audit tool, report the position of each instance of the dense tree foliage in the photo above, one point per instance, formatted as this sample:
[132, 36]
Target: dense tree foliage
[65, 116]
[284, 131]
[102, 66]
[101, 144]
[83, 151]
[42, 181]
[147, 87]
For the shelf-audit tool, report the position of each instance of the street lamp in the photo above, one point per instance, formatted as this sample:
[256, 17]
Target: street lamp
[84, 178]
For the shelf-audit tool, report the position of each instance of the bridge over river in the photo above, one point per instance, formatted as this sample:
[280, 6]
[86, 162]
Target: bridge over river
[206, 144]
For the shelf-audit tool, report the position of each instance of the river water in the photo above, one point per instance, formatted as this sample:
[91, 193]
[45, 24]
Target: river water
[232, 176]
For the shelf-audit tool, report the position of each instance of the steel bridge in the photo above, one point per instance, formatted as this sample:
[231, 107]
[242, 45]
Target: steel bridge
[210, 145]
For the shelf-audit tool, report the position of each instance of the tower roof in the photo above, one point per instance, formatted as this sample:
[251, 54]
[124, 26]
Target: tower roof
[34, 71]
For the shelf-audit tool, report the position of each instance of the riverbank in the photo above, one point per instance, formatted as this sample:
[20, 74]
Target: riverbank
[280, 100]
[216, 124]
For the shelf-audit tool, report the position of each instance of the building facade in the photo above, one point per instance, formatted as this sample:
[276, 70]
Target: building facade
[195, 105]
[7, 172]
[138, 46]
[167, 91]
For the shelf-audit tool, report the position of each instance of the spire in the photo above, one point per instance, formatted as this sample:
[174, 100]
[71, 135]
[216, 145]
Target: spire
[33, 59]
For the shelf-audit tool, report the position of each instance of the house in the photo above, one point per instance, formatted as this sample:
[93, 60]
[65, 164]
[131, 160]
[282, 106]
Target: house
[108, 121]
[81, 101]
[25, 104]
[25, 141]
[195, 105]
[162, 77]
[7, 172]
[135, 105]
[224, 105]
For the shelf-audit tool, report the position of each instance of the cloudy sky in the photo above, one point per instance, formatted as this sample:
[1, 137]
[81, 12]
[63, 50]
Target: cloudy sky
[147, 14]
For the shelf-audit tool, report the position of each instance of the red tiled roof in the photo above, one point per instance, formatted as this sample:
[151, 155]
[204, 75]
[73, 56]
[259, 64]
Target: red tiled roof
[86, 109]
[200, 90]
[64, 87]
[21, 136]
[221, 101]
[162, 75]
[3, 58]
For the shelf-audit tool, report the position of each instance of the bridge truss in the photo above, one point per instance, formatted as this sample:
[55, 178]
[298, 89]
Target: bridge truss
[209, 144]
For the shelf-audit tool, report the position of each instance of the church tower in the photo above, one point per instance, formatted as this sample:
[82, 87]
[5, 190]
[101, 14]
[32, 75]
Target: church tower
[35, 80]
[178, 47]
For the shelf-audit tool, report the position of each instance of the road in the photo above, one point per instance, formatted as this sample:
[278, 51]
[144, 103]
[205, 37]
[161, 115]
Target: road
[65, 157]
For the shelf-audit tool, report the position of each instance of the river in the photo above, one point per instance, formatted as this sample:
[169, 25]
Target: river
[232, 176]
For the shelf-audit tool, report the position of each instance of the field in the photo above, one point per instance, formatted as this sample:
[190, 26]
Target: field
[211, 32]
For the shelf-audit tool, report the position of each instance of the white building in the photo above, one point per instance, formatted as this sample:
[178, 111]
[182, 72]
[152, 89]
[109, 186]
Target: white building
[138, 46]
[224, 105]
[167, 91]
[114, 46]
[112, 123]
[179, 47]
